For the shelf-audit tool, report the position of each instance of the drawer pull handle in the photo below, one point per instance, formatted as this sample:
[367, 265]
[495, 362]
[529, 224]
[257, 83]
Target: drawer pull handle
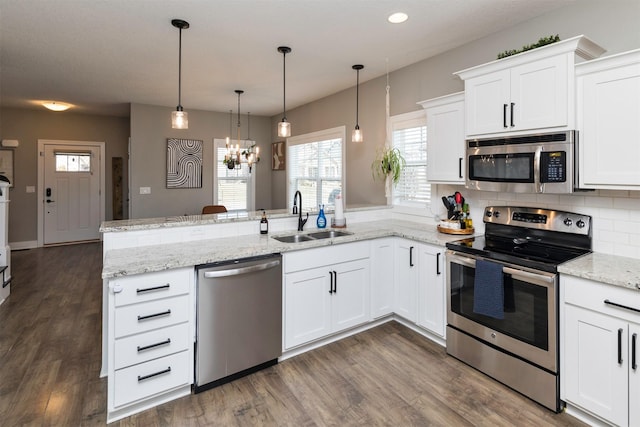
[153, 289]
[150, 346]
[155, 374]
[151, 316]
[615, 304]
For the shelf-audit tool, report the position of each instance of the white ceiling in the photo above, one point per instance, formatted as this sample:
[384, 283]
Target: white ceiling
[102, 55]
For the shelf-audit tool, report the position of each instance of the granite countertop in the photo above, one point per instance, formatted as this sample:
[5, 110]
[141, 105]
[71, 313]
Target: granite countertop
[188, 220]
[144, 259]
[609, 269]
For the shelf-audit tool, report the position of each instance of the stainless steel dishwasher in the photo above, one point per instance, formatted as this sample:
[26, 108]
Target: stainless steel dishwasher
[239, 319]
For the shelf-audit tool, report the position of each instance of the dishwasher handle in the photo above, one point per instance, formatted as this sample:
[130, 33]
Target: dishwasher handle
[241, 270]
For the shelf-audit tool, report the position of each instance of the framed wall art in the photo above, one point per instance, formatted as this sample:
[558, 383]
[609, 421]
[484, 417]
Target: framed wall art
[184, 163]
[6, 165]
[278, 156]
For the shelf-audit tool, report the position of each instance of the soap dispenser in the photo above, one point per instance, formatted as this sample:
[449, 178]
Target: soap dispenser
[264, 223]
[321, 222]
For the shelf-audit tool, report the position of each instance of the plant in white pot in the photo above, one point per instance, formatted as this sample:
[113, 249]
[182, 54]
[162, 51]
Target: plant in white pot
[388, 166]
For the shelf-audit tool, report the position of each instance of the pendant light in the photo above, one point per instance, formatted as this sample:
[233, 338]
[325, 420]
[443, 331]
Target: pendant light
[356, 136]
[179, 118]
[284, 127]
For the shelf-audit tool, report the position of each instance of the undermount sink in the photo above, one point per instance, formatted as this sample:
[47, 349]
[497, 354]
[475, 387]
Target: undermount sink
[329, 234]
[293, 238]
[318, 235]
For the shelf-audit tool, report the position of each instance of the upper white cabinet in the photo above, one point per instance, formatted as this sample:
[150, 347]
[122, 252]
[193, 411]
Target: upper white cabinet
[608, 119]
[529, 91]
[445, 139]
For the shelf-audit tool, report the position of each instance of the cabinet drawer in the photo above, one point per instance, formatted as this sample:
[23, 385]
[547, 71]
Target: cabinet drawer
[157, 376]
[592, 295]
[328, 255]
[137, 318]
[151, 345]
[151, 286]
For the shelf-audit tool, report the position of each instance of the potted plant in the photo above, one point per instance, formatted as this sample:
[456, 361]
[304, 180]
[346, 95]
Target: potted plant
[388, 165]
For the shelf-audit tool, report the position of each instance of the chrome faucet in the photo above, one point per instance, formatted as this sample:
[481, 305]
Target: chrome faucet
[301, 222]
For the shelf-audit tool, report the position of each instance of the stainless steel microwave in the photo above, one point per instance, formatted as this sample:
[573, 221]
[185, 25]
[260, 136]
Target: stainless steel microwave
[540, 163]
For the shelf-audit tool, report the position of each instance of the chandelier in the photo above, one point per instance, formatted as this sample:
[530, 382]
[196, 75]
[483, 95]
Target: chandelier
[235, 156]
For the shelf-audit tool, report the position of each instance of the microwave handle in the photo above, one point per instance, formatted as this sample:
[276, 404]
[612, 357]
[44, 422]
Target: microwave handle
[539, 186]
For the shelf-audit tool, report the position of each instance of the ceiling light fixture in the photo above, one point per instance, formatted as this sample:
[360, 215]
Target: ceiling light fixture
[284, 127]
[398, 17]
[56, 106]
[233, 158]
[357, 133]
[179, 118]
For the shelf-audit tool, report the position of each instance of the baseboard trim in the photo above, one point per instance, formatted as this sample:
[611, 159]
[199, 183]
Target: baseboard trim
[28, 244]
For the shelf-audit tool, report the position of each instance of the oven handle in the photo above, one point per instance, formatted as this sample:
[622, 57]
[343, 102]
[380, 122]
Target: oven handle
[470, 262]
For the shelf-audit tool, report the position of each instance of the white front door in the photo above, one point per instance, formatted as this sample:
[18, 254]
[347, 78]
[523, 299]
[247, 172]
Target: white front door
[71, 193]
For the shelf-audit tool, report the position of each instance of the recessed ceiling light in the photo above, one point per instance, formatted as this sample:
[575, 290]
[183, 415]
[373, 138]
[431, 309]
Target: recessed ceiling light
[56, 106]
[398, 17]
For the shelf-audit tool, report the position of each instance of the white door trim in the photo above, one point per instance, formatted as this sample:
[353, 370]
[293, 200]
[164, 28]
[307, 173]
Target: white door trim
[40, 189]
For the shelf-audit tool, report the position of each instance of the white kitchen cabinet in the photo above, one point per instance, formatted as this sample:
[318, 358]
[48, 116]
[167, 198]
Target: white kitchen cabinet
[150, 340]
[431, 289]
[406, 279]
[446, 139]
[533, 90]
[598, 362]
[382, 279]
[608, 119]
[327, 298]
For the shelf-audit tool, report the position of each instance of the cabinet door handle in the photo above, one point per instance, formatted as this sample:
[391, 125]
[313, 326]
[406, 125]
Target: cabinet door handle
[513, 104]
[335, 282]
[410, 256]
[331, 282]
[460, 159]
[634, 338]
[155, 374]
[620, 346]
[153, 289]
[150, 346]
[151, 316]
[504, 115]
[438, 263]
[615, 304]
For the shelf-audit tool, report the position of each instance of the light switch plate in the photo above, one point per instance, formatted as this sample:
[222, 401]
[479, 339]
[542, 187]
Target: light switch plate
[145, 190]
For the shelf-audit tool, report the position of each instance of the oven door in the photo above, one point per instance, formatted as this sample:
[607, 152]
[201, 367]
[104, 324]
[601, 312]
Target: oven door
[529, 328]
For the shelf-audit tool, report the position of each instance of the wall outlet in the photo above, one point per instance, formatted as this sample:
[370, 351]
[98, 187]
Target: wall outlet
[145, 190]
[31, 189]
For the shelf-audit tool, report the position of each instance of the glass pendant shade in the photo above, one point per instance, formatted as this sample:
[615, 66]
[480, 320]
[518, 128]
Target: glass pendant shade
[357, 136]
[179, 119]
[284, 129]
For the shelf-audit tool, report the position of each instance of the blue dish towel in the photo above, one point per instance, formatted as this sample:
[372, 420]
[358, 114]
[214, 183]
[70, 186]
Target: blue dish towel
[488, 289]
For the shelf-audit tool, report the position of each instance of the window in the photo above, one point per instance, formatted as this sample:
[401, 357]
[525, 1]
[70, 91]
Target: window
[233, 188]
[315, 167]
[73, 162]
[409, 135]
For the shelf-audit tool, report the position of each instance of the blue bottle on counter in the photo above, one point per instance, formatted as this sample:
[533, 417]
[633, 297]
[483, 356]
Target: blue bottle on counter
[321, 222]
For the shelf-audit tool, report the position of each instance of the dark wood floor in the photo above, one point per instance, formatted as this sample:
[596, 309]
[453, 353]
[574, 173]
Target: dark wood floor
[50, 361]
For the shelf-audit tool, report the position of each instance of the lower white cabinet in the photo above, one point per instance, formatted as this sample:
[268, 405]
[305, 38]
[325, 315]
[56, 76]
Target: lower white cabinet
[326, 298]
[150, 340]
[420, 285]
[382, 272]
[600, 350]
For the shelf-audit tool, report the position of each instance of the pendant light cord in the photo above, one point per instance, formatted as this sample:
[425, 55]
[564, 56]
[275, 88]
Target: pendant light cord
[357, 96]
[284, 85]
[180, 71]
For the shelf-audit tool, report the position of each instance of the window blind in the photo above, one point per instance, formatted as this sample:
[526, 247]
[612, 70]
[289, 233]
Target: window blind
[233, 186]
[410, 137]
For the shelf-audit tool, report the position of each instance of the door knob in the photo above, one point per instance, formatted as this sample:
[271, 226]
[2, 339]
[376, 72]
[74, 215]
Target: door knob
[50, 201]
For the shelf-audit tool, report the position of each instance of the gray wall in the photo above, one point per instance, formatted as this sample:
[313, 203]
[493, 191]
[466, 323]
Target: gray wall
[28, 126]
[150, 128]
[613, 24]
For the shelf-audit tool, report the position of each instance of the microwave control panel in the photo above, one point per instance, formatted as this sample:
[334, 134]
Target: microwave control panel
[553, 166]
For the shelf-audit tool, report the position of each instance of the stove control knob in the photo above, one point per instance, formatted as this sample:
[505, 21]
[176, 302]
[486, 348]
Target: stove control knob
[568, 222]
[580, 223]
[489, 214]
[497, 214]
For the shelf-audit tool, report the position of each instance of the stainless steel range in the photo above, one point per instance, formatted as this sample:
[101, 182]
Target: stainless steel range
[502, 305]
